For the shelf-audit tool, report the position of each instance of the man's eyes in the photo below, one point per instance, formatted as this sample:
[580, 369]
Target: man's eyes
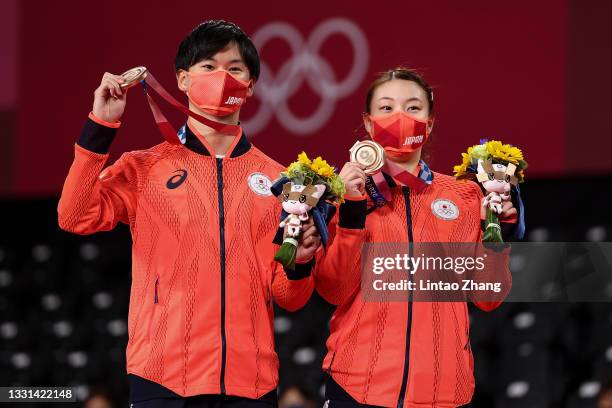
[210, 67]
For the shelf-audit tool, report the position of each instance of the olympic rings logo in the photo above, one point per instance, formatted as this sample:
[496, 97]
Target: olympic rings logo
[274, 91]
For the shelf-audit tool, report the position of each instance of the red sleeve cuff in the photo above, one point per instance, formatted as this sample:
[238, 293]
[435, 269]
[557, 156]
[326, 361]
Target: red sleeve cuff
[102, 122]
[355, 198]
[513, 219]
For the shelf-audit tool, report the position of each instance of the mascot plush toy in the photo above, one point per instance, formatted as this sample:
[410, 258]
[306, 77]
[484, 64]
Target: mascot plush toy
[496, 180]
[297, 200]
[499, 169]
[308, 188]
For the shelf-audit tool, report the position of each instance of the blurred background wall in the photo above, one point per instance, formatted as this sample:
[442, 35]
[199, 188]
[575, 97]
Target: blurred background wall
[531, 73]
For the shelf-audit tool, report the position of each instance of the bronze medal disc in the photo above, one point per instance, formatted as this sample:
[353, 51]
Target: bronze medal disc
[133, 76]
[370, 154]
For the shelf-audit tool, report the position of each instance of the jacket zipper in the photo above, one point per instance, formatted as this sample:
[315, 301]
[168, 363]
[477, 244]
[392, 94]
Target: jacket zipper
[222, 260]
[400, 401]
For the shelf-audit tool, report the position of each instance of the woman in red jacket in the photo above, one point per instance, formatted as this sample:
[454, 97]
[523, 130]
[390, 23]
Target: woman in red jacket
[399, 354]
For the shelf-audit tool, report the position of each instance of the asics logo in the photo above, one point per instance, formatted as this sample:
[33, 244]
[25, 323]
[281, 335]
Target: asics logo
[176, 180]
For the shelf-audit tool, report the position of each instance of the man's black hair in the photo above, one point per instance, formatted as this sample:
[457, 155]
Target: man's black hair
[209, 38]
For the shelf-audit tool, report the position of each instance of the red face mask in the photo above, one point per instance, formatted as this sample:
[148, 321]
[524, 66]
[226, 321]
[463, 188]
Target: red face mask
[398, 133]
[217, 93]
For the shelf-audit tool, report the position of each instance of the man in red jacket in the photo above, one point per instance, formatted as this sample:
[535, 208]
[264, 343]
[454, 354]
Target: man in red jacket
[202, 219]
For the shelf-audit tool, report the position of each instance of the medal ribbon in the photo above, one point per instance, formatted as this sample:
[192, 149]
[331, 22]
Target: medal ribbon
[165, 127]
[379, 190]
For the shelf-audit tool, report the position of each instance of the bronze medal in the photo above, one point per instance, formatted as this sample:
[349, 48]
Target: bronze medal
[368, 153]
[133, 76]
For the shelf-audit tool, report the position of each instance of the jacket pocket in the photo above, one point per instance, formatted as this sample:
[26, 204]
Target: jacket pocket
[156, 291]
[331, 363]
[467, 347]
[154, 307]
[462, 320]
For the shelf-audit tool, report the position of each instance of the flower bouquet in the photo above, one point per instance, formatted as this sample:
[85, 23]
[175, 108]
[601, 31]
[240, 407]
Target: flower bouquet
[307, 188]
[497, 167]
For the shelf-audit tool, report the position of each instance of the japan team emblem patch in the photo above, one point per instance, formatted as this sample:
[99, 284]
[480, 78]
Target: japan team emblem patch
[260, 184]
[445, 209]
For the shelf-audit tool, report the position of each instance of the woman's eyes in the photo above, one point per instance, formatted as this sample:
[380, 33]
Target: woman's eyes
[235, 69]
[208, 67]
[387, 108]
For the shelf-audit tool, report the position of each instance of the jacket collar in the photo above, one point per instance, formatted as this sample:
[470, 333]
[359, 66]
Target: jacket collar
[238, 148]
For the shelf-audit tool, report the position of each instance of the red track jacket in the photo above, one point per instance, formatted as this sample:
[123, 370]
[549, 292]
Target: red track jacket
[203, 274]
[400, 354]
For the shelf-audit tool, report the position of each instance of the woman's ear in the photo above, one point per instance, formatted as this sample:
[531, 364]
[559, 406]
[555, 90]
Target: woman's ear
[430, 124]
[367, 123]
[182, 80]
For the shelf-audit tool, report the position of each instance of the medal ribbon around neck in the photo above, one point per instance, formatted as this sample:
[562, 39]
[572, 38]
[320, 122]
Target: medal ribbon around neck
[148, 81]
[379, 190]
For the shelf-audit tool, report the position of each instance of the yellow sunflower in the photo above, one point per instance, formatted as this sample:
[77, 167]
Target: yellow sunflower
[504, 152]
[321, 167]
[303, 158]
[461, 169]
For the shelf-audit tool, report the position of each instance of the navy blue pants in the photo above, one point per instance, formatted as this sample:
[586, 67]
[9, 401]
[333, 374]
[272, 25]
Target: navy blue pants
[205, 401]
[337, 397]
[147, 394]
